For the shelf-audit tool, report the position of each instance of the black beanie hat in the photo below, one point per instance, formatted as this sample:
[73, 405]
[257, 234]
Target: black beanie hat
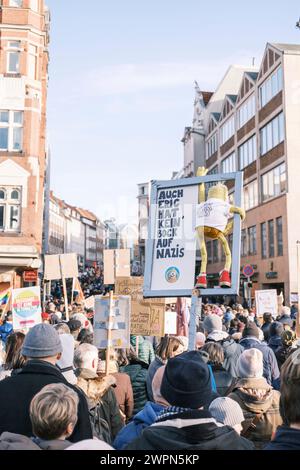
[251, 330]
[186, 381]
[276, 329]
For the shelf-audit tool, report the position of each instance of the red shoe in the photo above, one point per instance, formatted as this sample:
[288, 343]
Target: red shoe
[225, 280]
[201, 281]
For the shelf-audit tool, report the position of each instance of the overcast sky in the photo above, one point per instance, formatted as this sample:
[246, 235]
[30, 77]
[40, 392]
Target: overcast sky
[121, 86]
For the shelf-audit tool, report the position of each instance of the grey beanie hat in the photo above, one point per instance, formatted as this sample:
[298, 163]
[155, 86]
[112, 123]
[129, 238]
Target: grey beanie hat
[226, 411]
[250, 364]
[42, 341]
[212, 322]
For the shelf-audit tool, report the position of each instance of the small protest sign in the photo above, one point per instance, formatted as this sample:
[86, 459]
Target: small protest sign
[112, 320]
[26, 307]
[266, 301]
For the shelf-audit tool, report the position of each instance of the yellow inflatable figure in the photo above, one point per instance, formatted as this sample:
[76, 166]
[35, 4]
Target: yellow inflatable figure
[212, 222]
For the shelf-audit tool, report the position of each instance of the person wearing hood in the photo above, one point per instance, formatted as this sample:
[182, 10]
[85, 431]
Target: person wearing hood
[275, 332]
[98, 390]
[232, 350]
[258, 400]
[145, 417]
[145, 348]
[223, 378]
[169, 346]
[287, 436]
[66, 361]
[187, 423]
[42, 350]
[53, 415]
[251, 340]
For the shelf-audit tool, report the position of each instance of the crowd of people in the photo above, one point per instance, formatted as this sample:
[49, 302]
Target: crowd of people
[237, 389]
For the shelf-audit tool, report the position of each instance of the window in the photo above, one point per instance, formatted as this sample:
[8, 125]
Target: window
[228, 164]
[244, 250]
[10, 209]
[271, 87]
[271, 239]
[15, 3]
[246, 111]
[32, 61]
[252, 240]
[272, 134]
[279, 236]
[215, 251]
[212, 145]
[263, 236]
[34, 4]
[274, 182]
[227, 130]
[11, 131]
[13, 57]
[247, 152]
[251, 195]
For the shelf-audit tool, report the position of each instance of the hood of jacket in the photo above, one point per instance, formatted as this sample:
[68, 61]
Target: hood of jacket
[10, 441]
[92, 385]
[133, 370]
[217, 335]
[133, 340]
[274, 342]
[231, 348]
[285, 439]
[256, 394]
[148, 414]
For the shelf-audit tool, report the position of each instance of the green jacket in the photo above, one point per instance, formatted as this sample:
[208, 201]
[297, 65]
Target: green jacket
[138, 375]
[146, 352]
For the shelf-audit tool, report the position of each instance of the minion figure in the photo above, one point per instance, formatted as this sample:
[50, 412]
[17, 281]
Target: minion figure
[212, 222]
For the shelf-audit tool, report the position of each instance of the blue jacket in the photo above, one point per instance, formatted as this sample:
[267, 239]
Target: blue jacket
[5, 331]
[154, 366]
[140, 421]
[271, 370]
[285, 439]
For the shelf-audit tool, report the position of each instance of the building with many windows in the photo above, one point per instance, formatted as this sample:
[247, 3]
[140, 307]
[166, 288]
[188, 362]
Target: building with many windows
[24, 39]
[254, 128]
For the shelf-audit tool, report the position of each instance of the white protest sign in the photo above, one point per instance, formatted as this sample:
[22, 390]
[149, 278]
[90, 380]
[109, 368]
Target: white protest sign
[61, 266]
[119, 324]
[26, 307]
[266, 301]
[170, 322]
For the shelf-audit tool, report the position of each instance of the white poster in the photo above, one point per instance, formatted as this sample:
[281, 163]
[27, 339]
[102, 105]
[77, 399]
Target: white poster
[119, 324]
[170, 322]
[26, 307]
[174, 254]
[266, 301]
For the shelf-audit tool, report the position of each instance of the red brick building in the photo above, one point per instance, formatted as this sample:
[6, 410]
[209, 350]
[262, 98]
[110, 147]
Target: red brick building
[24, 39]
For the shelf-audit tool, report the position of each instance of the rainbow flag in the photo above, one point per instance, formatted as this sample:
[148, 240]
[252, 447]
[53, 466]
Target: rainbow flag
[4, 297]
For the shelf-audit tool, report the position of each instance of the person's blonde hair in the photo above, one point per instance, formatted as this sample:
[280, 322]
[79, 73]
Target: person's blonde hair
[52, 410]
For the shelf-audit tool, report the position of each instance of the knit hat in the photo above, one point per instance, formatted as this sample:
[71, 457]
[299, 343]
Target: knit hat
[276, 328]
[226, 411]
[42, 341]
[90, 444]
[74, 324]
[212, 322]
[251, 330]
[187, 382]
[250, 364]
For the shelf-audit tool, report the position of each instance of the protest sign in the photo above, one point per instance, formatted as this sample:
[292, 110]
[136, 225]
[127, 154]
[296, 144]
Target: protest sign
[89, 303]
[147, 319]
[112, 322]
[266, 301]
[26, 307]
[170, 322]
[116, 264]
[60, 266]
[170, 269]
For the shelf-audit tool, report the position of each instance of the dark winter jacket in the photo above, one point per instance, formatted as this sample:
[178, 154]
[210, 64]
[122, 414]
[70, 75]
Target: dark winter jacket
[146, 351]
[9, 441]
[223, 379]
[124, 393]
[5, 330]
[99, 392]
[154, 366]
[271, 370]
[283, 353]
[134, 429]
[266, 331]
[274, 342]
[285, 439]
[189, 430]
[16, 393]
[232, 352]
[138, 377]
[257, 399]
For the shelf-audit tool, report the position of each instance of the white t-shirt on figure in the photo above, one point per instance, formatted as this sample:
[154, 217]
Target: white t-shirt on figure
[213, 213]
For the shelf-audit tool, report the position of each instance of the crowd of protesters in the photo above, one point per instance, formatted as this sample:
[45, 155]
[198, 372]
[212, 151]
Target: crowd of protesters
[238, 389]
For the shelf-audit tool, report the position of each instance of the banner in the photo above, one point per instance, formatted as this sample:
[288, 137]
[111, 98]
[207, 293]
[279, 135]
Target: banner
[118, 326]
[116, 264]
[147, 319]
[58, 266]
[266, 301]
[26, 307]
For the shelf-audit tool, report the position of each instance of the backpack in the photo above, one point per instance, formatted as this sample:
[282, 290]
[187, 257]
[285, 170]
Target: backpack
[100, 426]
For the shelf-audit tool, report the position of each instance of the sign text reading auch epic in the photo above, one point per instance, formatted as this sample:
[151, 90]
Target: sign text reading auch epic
[168, 223]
